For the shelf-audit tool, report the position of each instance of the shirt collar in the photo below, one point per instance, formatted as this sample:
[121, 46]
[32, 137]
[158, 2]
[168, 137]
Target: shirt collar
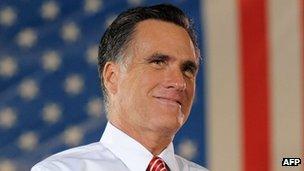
[134, 155]
[169, 157]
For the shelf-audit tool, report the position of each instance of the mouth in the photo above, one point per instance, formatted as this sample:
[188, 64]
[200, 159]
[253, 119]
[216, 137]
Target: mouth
[169, 101]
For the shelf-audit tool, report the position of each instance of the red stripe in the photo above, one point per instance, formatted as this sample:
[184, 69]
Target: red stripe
[156, 165]
[151, 162]
[255, 85]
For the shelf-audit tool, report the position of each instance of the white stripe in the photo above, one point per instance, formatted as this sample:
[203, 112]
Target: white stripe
[224, 119]
[154, 164]
[286, 74]
[158, 166]
[163, 169]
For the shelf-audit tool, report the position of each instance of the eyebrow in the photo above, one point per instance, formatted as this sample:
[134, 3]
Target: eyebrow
[157, 56]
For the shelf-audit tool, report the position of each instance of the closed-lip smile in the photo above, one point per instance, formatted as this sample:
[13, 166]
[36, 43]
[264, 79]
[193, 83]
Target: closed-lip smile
[168, 100]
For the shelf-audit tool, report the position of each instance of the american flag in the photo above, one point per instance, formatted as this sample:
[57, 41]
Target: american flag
[249, 107]
[255, 80]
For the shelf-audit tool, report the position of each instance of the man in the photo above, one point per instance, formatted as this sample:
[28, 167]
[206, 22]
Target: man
[148, 62]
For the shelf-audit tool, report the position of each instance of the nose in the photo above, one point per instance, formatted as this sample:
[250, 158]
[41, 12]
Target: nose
[175, 80]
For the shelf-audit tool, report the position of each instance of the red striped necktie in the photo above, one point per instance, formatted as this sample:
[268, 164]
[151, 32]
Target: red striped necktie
[157, 164]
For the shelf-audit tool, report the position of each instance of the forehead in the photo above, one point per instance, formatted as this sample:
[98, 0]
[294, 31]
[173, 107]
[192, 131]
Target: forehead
[152, 36]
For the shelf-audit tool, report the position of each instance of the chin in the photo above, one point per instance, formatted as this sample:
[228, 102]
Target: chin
[171, 124]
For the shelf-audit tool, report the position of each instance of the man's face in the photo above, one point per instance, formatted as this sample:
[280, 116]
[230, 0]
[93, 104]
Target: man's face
[155, 92]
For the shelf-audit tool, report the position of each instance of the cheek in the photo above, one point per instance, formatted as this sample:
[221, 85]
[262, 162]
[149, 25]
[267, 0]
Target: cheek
[191, 88]
[146, 80]
[190, 93]
[138, 86]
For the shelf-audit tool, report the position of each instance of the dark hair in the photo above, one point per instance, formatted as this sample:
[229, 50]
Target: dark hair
[118, 35]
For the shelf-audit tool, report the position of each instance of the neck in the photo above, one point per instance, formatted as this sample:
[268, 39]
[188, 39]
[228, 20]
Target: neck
[154, 141]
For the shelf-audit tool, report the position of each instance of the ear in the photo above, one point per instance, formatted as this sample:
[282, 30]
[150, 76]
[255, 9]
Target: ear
[110, 77]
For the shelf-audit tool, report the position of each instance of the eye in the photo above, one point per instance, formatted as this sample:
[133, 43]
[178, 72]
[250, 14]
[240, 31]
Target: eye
[158, 62]
[189, 71]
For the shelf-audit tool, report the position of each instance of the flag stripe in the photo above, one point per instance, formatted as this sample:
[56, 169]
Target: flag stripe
[254, 63]
[285, 68]
[223, 85]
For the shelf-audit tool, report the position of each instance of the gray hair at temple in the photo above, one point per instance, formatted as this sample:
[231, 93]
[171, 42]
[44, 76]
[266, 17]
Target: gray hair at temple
[119, 34]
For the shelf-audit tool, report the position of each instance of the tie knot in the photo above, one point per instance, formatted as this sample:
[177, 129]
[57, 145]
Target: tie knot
[157, 164]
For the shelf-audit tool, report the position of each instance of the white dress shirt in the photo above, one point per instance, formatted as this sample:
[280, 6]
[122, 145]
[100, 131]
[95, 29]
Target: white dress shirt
[116, 151]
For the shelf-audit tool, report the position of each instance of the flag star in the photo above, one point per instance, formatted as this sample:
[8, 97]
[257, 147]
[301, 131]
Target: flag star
[92, 6]
[109, 20]
[51, 113]
[91, 54]
[70, 32]
[7, 165]
[28, 89]
[51, 61]
[187, 149]
[73, 84]
[135, 2]
[94, 107]
[28, 141]
[73, 136]
[7, 117]
[26, 38]
[8, 16]
[49, 10]
[8, 67]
